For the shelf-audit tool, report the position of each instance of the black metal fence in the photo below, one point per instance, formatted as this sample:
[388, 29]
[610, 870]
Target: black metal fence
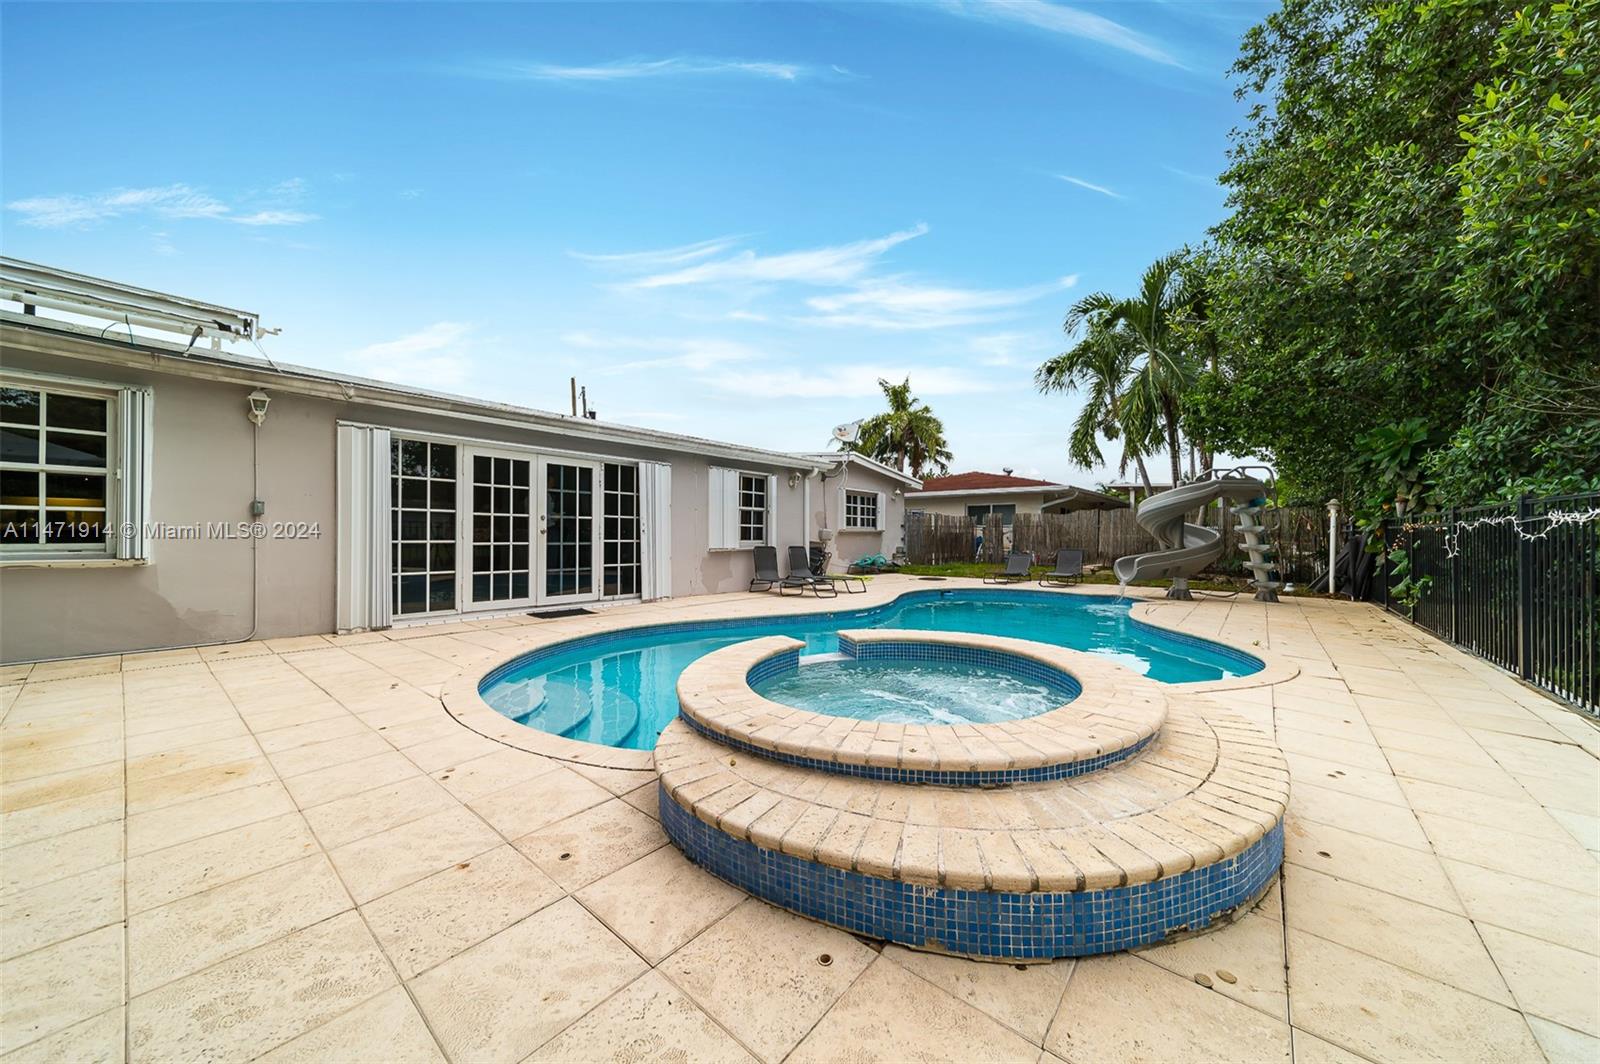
[1516, 584]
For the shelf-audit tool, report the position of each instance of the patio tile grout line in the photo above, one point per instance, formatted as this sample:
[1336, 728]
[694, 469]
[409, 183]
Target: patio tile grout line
[354, 907]
[1455, 893]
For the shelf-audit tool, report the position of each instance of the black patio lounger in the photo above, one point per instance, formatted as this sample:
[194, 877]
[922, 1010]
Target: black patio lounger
[801, 577]
[767, 574]
[1017, 566]
[819, 567]
[1068, 570]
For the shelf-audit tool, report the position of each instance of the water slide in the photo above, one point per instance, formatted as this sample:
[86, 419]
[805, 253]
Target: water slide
[1188, 548]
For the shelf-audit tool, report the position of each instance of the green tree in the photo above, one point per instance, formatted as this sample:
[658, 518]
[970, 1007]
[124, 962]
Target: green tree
[1100, 365]
[907, 433]
[1154, 331]
[1413, 241]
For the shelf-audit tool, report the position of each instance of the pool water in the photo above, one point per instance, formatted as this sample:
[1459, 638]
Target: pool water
[904, 692]
[620, 689]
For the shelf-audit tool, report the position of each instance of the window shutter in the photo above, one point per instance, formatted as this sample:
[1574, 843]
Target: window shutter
[722, 508]
[135, 412]
[772, 510]
[844, 512]
[655, 530]
[364, 570]
[880, 513]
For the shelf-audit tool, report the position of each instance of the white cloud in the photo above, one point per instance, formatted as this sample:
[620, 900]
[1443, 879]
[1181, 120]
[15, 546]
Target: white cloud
[697, 354]
[432, 357]
[659, 258]
[850, 382]
[632, 69]
[896, 305]
[177, 201]
[1081, 183]
[1067, 21]
[272, 218]
[1006, 349]
[836, 265]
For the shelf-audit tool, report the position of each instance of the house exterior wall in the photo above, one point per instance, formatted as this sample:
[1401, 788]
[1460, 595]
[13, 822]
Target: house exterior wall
[956, 505]
[848, 544]
[199, 590]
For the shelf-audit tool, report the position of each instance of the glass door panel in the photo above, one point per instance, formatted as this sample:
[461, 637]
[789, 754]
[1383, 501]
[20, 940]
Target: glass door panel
[500, 530]
[569, 529]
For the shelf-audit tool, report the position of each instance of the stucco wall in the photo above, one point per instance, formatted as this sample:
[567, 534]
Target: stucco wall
[957, 504]
[199, 590]
[848, 545]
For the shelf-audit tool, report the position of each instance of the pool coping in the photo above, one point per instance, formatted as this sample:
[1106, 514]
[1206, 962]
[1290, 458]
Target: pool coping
[462, 701]
[1115, 713]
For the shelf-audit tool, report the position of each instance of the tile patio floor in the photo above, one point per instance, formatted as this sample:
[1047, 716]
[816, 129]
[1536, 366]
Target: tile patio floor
[287, 850]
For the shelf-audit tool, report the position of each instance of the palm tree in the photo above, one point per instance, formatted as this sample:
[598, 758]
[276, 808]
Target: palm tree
[1101, 365]
[908, 432]
[1156, 323]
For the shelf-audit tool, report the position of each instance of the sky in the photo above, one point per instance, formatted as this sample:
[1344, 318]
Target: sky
[727, 220]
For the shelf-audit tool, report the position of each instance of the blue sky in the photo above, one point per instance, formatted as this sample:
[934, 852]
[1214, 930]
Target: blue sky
[725, 219]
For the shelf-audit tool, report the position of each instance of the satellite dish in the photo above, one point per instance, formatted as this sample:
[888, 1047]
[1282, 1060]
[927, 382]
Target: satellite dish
[848, 432]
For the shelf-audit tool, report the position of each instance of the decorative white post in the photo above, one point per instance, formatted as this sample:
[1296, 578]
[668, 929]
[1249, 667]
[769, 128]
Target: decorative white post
[1333, 543]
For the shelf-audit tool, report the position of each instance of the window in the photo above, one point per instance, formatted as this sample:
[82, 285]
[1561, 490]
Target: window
[621, 532]
[752, 509]
[1007, 513]
[861, 510]
[57, 459]
[422, 499]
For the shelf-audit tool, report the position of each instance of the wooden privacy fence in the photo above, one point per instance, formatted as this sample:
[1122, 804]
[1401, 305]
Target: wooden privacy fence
[1299, 535]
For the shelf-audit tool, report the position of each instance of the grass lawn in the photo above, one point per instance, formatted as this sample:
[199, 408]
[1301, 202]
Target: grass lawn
[1103, 576]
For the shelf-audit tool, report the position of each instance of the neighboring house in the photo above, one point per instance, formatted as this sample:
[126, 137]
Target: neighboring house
[861, 508]
[980, 495]
[165, 493]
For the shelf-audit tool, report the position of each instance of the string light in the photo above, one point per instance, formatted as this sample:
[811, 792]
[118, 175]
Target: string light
[1554, 520]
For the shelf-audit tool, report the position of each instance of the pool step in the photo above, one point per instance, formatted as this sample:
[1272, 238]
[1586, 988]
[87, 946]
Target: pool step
[1184, 833]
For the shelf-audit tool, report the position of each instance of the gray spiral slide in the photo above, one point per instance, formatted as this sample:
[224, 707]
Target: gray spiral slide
[1187, 548]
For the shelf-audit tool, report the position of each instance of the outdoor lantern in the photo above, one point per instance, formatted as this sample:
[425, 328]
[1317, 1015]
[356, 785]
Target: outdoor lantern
[258, 405]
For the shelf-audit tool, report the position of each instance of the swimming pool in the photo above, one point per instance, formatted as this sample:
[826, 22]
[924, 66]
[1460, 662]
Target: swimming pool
[620, 688]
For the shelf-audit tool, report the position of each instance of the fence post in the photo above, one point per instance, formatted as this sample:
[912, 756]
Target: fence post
[1524, 590]
[1383, 579]
[1455, 578]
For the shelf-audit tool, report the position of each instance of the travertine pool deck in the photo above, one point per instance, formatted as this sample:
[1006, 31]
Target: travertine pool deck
[289, 849]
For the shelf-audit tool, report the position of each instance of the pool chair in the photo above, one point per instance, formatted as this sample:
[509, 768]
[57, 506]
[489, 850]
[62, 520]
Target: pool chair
[818, 559]
[767, 575]
[1068, 570]
[1016, 570]
[801, 577]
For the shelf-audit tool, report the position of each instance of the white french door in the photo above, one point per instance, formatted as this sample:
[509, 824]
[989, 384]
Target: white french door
[497, 530]
[568, 531]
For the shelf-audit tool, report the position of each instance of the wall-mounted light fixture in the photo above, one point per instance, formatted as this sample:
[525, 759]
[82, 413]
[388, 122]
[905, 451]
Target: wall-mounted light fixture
[258, 406]
[794, 480]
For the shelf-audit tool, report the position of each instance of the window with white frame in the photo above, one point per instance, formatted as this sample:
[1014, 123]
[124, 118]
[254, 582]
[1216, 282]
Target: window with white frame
[620, 512]
[862, 510]
[73, 465]
[753, 504]
[740, 506]
[422, 526]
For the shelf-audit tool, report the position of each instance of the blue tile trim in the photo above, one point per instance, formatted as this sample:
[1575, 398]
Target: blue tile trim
[979, 923]
[846, 619]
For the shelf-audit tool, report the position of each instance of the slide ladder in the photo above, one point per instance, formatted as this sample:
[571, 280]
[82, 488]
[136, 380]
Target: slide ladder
[1188, 548]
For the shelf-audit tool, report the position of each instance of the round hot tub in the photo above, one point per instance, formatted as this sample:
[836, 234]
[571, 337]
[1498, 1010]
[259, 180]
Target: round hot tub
[917, 683]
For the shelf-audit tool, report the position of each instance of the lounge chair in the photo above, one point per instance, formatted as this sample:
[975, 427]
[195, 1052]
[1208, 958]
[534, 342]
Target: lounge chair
[819, 567]
[801, 577]
[1068, 570]
[1016, 570]
[767, 574]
